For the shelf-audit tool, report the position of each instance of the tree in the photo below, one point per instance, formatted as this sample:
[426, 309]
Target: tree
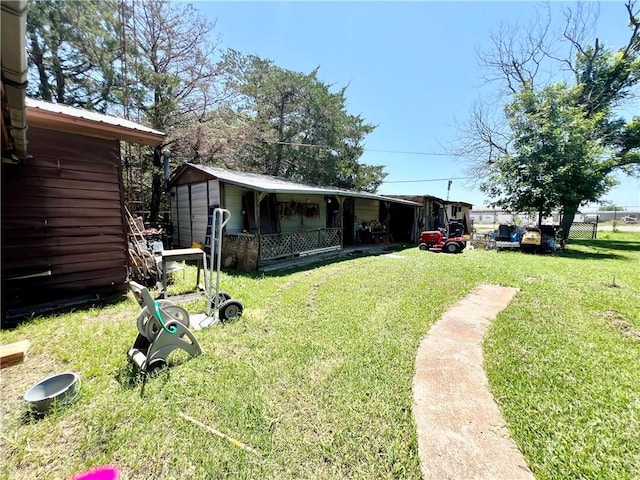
[171, 74]
[610, 207]
[600, 81]
[72, 47]
[151, 62]
[555, 158]
[286, 124]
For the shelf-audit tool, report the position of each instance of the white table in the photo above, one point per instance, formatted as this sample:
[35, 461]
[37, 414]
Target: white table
[184, 254]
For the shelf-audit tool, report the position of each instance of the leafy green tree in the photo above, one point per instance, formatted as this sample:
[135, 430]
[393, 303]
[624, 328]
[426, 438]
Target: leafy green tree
[556, 156]
[286, 124]
[151, 62]
[610, 207]
[603, 79]
[72, 49]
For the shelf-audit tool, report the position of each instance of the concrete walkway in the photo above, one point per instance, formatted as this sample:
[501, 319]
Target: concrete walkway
[461, 433]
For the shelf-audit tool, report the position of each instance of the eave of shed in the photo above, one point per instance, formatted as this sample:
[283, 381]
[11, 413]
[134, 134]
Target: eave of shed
[269, 184]
[68, 119]
[421, 198]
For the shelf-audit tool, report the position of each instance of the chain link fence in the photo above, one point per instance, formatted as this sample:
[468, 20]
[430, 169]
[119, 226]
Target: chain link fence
[583, 230]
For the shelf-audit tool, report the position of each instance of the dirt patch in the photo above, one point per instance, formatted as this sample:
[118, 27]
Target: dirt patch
[617, 321]
[17, 379]
[313, 294]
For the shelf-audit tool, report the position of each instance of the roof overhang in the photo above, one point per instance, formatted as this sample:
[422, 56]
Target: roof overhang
[268, 184]
[13, 16]
[422, 198]
[68, 119]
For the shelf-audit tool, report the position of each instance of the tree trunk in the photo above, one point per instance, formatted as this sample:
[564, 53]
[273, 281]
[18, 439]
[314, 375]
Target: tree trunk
[156, 197]
[38, 59]
[156, 188]
[568, 214]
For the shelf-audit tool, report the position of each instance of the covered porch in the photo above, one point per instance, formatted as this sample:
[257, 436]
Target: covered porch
[273, 219]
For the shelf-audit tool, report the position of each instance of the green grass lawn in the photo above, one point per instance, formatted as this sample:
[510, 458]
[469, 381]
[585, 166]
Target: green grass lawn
[317, 373]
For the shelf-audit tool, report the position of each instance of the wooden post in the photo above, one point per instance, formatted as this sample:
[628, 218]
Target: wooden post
[341, 219]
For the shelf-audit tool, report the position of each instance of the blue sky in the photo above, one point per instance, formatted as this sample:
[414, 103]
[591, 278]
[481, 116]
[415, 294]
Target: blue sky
[411, 69]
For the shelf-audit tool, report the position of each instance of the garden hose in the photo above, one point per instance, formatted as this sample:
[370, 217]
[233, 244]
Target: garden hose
[170, 329]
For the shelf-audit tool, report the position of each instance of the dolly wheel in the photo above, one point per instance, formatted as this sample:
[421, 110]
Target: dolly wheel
[219, 299]
[452, 247]
[229, 310]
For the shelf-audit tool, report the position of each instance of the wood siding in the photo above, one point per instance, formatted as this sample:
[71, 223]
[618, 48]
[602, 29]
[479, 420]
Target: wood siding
[189, 211]
[214, 192]
[199, 211]
[62, 221]
[296, 219]
[366, 210]
[233, 203]
[182, 227]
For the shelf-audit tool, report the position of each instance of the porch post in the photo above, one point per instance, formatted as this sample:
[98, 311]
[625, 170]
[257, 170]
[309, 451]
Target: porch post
[257, 197]
[341, 217]
[386, 222]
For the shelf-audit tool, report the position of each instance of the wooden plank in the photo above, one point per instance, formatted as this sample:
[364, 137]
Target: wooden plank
[30, 183]
[66, 174]
[55, 210]
[43, 141]
[71, 232]
[13, 353]
[61, 245]
[76, 164]
[49, 223]
[24, 260]
[14, 193]
[11, 203]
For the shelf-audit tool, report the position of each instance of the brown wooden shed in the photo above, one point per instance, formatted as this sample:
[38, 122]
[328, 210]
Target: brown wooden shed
[64, 232]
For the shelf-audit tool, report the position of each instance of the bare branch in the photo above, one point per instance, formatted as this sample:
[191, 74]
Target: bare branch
[482, 140]
[634, 20]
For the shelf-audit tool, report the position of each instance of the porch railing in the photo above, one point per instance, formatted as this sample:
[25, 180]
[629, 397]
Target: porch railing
[279, 245]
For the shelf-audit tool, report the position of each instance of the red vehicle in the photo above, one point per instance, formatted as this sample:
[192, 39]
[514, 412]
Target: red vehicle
[439, 241]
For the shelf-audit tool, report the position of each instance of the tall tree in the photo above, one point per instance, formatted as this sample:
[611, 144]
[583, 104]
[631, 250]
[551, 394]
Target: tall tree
[72, 47]
[151, 62]
[601, 80]
[171, 73]
[288, 124]
[555, 156]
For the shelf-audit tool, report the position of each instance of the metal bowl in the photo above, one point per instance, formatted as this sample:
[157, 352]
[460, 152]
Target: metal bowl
[50, 390]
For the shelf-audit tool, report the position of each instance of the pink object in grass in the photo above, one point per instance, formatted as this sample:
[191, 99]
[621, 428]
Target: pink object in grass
[101, 473]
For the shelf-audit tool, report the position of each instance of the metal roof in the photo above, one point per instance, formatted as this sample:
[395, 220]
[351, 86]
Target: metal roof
[421, 198]
[269, 184]
[89, 115]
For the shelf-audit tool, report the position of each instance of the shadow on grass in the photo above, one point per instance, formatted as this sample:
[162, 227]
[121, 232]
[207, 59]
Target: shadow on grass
[52, 309]
[629, 246]
[130, 378]
[602, 249]
[343, 256]
[31, 414]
